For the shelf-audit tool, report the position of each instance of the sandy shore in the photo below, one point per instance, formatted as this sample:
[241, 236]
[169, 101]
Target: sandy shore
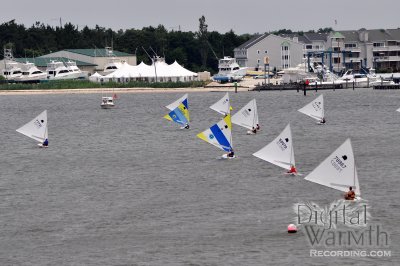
[245, 85]
[120, 90]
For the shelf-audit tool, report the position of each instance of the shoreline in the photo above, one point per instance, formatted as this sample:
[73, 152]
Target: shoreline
[120, 90]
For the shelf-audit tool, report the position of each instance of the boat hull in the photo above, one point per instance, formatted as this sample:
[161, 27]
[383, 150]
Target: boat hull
[107, 106]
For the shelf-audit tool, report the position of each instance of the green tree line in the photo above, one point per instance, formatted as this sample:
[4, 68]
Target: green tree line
[197, 51]
[194, 50]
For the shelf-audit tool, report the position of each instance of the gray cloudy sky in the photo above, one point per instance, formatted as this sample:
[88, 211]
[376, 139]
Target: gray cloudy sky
[240, 16]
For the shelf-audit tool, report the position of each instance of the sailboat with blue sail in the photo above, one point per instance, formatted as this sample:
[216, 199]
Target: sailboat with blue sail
[182, 100]
[179, 115]
[220, 135]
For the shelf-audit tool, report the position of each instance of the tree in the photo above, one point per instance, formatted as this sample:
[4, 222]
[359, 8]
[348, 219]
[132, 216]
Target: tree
[202, 36]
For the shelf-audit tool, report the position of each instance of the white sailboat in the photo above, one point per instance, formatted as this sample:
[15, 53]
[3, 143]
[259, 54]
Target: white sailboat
[280, 151]
[223, 106]
[398, 110]
[247, 117]
[220, 135]
[37, 129]
[315, 109]
[338, 170]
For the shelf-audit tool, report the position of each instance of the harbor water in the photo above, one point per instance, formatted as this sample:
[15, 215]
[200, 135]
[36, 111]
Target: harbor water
[127, 187]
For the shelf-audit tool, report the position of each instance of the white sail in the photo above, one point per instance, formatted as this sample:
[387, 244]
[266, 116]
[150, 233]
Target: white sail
[314, 109]
[175, 104]
[247, 116]
[37, 128]
[222, 106]
[338, 170]
[398, 110]
[279, 151]
[219, 135]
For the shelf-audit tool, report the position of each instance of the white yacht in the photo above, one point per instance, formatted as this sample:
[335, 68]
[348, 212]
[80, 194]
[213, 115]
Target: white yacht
[56, 70]
[229, 70]
[107, 102]
[73, 68]
[112, 65]
[30, 73]
[12, 70]
[360, 80]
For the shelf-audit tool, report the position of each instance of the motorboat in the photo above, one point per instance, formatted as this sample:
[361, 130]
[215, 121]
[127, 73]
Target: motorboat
[229, 70]
[56, 70]
[30, 73]
[73, 68]
[114, 62]
[12, 70]
[107, 102]
[112, 65]
[360, 80]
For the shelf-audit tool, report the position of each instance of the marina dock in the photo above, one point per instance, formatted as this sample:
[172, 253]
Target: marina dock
[298, 87]
[387, 87]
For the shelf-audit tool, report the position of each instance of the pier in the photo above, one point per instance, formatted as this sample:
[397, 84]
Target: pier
[387, 87]
[298, 87]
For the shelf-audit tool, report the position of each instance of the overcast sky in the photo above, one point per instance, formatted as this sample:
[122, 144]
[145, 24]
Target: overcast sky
[240, 16]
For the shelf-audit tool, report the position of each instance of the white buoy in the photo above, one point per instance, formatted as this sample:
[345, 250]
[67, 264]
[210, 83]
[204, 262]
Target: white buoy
[292, 228]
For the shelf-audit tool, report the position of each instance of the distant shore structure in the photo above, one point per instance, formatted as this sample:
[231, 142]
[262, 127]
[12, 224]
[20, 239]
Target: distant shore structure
[339, 50]
[88, 60]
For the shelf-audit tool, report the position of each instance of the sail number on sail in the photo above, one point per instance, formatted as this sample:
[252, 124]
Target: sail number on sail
[338, 163]
[281, 144]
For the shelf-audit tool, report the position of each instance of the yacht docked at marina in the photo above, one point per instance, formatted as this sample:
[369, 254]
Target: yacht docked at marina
[229, 70]
[30, 73]
[12, 70]
[56, 70]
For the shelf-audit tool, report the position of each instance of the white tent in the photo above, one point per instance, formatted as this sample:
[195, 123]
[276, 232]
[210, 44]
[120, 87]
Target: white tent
[96, 77]
[159, 71]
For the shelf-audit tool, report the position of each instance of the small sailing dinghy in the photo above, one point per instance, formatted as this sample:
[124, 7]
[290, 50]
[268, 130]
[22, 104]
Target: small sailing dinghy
[37, 129]
[398, 110]
[223, 106]
[220, 135]
[183, 99]
[280, 152]
[247, 117]
[179, 115]
[338, 170]
[185, 102]
[315, 109]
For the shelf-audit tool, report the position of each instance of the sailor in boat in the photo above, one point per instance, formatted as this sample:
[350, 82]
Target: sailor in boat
[350, 195]
[186, 126]
[258, 127]
[292, 170]
[231, 154]
[323, 121]
[45, 143]
[254, 130]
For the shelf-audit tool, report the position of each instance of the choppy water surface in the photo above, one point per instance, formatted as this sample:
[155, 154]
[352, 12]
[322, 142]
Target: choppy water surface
[126, 187]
